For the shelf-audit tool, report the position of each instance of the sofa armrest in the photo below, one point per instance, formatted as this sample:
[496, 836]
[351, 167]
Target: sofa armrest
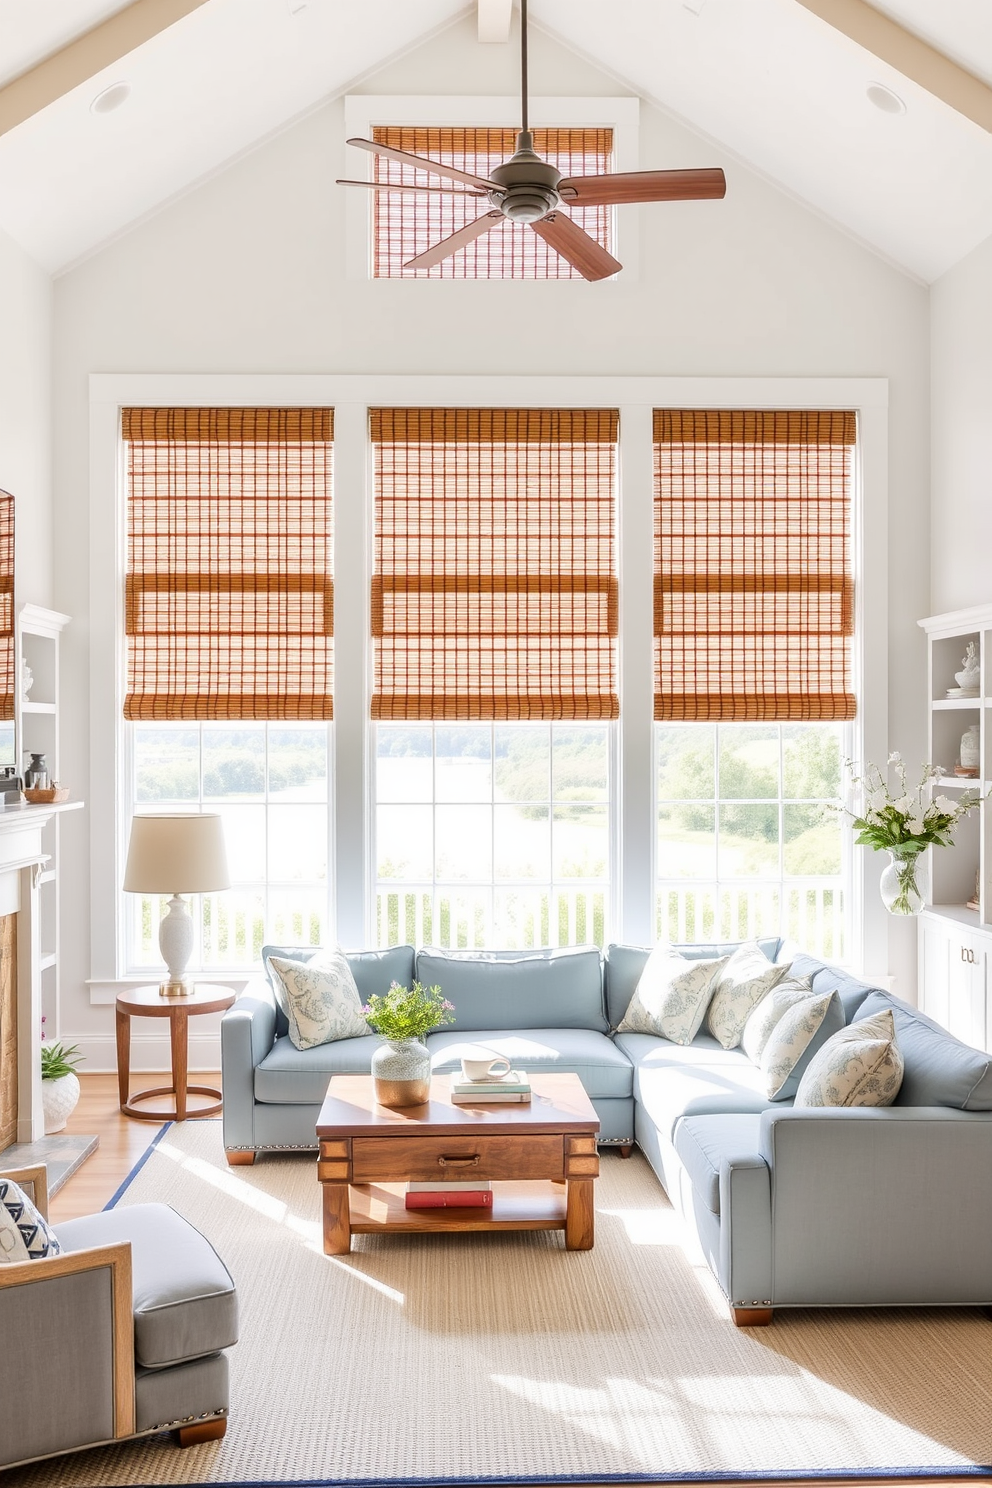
[82, 1301]
[880, 1206]
[746, 1231]
[247, 1033]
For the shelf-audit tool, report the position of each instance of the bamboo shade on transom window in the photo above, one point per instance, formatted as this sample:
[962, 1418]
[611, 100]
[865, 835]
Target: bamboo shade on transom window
[229, 602]
[405, 223]
[494, 594]
[8, 666]
[753, 590]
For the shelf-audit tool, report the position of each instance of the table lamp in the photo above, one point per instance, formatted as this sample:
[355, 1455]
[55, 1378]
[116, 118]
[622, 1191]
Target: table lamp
[176, 855]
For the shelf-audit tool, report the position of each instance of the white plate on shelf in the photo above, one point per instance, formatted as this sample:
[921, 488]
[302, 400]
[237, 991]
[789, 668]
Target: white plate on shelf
[962, 692]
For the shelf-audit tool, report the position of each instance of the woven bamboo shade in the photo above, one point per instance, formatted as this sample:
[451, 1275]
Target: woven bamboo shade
[229, 600]
[495, 593]
[754, 594]
[405, 223]
[8, 660]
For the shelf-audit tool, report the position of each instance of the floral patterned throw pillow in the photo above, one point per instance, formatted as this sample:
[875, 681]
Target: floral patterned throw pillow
[24, 1234]
[671, 998]
[860, 1066]
[747, 978]
[321, 999]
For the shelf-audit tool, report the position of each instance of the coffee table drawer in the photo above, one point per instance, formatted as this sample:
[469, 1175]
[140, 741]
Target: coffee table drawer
[452, 1159]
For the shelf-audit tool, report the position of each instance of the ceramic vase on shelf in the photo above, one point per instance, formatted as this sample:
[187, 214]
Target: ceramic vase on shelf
[59, 1099]
[401, 1073]
[905, 882]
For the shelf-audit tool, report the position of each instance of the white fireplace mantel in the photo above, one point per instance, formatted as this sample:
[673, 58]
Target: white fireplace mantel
[22, 859]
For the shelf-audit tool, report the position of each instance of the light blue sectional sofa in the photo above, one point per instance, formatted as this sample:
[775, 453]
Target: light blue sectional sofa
[792, 1208]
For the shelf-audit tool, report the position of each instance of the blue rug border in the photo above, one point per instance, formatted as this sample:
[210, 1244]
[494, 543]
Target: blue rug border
[547, 1480]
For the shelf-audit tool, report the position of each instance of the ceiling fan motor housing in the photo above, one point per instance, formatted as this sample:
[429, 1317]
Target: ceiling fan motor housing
[528, 184]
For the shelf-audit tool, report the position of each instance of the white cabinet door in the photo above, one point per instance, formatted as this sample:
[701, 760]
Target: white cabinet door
[934, 977]
[954, 963]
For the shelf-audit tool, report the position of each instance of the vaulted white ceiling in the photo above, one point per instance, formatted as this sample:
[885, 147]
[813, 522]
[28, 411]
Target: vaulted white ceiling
[768, 81]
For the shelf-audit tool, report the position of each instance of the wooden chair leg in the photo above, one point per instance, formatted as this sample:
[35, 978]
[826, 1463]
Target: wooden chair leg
[626, 1149]
[239, 1159]
[202, 1431]
[752, 1317]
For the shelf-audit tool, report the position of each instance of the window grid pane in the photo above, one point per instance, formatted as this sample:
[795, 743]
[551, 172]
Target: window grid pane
[520, 860]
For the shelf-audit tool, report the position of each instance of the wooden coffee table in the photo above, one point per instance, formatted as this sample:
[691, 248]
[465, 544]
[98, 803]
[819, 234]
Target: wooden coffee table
[541, 1157]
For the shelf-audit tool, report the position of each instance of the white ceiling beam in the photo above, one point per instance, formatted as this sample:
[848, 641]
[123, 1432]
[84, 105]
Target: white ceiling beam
[915, 59]
[495, 17]
[86, 56]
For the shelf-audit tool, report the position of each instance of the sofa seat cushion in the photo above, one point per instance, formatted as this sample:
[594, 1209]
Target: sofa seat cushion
[603, 1069]
[185, 1304]
[703, 1142]
[298, 1077]
[519, 989]
[939, 1069]
[700, 1079]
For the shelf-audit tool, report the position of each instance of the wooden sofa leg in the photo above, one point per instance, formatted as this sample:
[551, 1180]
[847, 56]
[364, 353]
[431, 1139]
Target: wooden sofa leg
[239, 1159]
[203, 1431]
[626, 1149]
[752, 1317]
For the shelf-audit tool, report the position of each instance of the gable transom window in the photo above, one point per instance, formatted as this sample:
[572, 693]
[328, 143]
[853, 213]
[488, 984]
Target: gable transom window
[406, 223]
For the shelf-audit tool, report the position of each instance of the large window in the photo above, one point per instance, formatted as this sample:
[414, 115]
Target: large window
[754, 618]
[229, 622]
[406, 223]
[494, 614]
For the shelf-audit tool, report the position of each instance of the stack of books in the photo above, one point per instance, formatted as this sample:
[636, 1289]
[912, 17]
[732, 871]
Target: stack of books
[513, 1086]
[477, 1193]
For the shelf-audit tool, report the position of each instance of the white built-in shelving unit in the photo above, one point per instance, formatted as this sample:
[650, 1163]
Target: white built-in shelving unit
[955, 945]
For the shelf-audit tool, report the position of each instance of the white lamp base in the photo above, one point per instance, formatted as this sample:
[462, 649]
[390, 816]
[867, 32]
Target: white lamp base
[175, 941]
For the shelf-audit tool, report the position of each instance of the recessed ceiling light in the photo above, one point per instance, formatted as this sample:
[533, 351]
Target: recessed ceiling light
[883, 98]
[111, 98]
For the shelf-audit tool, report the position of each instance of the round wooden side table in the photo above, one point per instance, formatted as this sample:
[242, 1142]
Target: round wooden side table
[147, 1002]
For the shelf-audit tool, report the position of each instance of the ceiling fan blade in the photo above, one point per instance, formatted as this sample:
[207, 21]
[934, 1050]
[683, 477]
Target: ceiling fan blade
[582, 252]
[421, 162]
[643, 186]
[448, 191]
[459, 239]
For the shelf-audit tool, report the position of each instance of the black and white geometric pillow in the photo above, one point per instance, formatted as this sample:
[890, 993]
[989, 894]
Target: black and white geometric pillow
[24, 1234]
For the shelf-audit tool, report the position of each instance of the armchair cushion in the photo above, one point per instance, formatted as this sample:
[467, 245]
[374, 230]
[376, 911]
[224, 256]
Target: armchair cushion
[24, 1233]
[185, 1303]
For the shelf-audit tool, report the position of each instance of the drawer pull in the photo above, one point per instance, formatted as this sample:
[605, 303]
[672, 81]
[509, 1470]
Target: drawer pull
[459, 1162]
[967, 954]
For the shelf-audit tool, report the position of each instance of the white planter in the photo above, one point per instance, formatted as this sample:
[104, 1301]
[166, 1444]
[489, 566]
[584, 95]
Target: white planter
[59, 1099]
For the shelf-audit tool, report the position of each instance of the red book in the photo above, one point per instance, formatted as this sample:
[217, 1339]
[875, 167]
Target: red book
[472, 1198]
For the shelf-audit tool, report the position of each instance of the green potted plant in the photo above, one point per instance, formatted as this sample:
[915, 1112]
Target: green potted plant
[401, 1066]
[59, 1083]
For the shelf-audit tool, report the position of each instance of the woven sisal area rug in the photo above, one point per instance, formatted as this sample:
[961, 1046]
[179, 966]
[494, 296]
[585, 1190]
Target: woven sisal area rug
[479, 1359]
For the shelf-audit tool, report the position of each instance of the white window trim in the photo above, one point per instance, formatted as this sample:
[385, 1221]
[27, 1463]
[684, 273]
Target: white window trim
[351, 396]
[363, 111]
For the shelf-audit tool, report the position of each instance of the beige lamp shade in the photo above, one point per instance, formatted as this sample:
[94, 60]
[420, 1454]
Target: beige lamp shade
[176, 854]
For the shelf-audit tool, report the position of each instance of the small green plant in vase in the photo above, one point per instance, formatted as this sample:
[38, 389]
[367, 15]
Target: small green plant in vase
[401, 1067]
[59, 1082]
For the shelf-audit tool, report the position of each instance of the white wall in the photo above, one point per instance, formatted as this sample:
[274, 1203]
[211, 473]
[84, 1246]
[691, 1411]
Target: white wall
[25, 416]
[961, 308]
[245, 274]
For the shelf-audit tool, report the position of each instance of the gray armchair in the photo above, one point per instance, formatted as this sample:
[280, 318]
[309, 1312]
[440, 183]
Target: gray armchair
[122, 1335]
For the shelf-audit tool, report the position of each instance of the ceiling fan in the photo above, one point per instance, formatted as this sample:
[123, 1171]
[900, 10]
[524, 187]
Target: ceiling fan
[527, 189]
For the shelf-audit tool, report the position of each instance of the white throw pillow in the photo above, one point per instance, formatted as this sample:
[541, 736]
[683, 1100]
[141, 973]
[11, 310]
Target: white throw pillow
[24, 1234]
[771, 1010]
[747, 978]
[321, 999]
[671, 998]
[795, 1040]
[860, 1066]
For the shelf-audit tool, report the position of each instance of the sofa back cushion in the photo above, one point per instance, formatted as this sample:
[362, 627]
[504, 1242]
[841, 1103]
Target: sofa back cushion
[851, 992]
[624, 964]
[939, 1069]
[519, 989]
[374, 971]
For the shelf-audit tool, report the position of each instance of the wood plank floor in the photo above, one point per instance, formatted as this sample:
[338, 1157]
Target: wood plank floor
[123, 1140]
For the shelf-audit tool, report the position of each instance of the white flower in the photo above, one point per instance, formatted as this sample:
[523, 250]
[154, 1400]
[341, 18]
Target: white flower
[895, 758]
[945, 804]
[936, 771]
[915, 825]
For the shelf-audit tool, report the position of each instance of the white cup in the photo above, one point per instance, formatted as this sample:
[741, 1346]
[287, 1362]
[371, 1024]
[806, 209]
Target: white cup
[485, 1066]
